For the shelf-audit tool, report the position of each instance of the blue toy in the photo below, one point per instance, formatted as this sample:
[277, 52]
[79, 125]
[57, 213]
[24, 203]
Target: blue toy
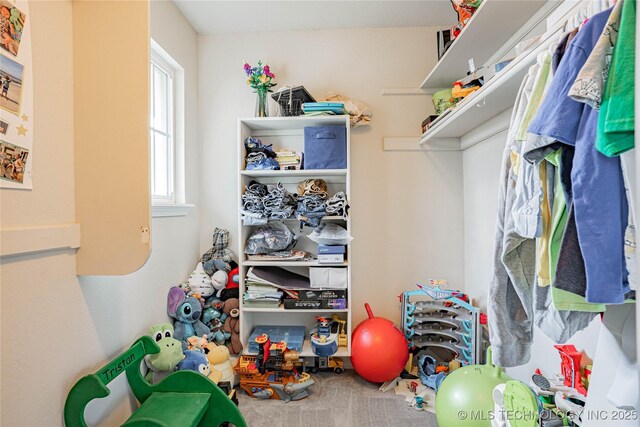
[212, 318]
[427, 372]
[195, 360]
[186, 311]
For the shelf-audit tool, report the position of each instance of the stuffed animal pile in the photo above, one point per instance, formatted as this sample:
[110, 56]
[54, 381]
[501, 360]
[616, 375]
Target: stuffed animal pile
[205, 357]
[205, 310]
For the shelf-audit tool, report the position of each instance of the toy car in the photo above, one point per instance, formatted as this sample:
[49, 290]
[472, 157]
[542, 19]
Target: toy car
[315, 364]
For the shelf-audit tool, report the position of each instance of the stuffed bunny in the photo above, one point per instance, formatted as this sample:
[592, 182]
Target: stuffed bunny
[186, 311]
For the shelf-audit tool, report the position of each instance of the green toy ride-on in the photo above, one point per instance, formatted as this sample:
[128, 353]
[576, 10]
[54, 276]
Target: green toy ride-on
[184, 398]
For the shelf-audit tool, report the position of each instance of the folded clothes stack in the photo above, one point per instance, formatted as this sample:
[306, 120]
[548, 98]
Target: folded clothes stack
[323, 108]
[258, 294]
[259, 156]
[337, 205]
[261, 203]
[264, 202]
[289, 160]
[312, 196]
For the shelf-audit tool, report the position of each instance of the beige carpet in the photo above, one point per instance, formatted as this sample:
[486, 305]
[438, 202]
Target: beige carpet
[343, 400]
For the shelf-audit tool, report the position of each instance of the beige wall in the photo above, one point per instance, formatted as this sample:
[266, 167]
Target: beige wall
[80, 324]
[407, 206]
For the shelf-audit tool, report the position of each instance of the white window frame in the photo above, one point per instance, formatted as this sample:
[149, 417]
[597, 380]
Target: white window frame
[175, 204]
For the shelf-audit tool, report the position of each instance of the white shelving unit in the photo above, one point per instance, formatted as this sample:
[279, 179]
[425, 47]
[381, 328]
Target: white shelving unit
[494, 24]
[288, 133]
[487, 102]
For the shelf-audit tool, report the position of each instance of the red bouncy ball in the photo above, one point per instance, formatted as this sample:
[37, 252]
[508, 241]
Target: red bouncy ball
[379, 351]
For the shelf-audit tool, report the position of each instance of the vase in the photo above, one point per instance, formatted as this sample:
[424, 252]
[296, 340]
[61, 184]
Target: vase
[262, 104]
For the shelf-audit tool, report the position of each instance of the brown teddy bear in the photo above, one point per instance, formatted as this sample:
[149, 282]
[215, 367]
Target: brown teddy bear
[232, 325]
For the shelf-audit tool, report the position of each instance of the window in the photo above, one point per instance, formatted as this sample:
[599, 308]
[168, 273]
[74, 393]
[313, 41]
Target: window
[166, 133]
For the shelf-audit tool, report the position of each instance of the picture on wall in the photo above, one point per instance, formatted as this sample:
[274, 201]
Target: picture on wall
[13, 162]
[12, 22]
[11, 83]
[4, 126]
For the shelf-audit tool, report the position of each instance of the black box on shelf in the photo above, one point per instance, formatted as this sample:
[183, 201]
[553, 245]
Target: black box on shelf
[315, 304]
[322, 294]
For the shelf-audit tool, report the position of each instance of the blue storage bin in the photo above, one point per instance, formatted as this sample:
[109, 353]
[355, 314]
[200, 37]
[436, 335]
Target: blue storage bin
[292, 335]
[325, 147]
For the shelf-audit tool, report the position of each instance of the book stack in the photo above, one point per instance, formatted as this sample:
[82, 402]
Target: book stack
[323, 108]
[265, 286]
[261, 295]
[331, 254]
[289, 160]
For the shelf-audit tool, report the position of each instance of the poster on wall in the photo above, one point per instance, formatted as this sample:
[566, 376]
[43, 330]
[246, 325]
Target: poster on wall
[16, 96]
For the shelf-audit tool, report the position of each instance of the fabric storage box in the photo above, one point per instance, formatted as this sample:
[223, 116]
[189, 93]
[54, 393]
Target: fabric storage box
[328, 278]
[325, 147]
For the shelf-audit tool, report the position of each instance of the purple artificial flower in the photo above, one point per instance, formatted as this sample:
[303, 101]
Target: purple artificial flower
[247, 69]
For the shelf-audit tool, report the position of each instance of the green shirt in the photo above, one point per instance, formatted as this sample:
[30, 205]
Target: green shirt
[616, 122]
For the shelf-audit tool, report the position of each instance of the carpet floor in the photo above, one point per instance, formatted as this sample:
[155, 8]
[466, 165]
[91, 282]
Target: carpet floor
[344, 400]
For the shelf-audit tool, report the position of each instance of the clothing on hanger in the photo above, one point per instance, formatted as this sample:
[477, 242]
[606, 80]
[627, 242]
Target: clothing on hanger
[596, 181]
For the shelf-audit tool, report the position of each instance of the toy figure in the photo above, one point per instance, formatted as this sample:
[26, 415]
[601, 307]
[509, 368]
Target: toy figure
[324, 328]
[200, 283]
[232, 325]
[212, 319]
[218, 356]
[170, 352]
[186, 311]
[197, 343]
[232, 290]
[218, 257]
[197, 361]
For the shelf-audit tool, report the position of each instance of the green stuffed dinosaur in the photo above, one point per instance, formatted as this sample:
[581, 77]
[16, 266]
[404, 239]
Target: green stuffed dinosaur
[170, 353]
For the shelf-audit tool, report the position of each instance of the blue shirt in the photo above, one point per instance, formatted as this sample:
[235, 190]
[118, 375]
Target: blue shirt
[599, 198]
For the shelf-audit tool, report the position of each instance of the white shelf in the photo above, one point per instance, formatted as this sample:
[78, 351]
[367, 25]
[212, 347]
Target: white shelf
[494, 24]
[292, 123]
[306, 350]
[295, 310]
[492, 99]
[306, 173]
[328, 218]
[313, 263]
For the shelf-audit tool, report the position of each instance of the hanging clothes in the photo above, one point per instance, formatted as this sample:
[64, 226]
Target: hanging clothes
[510, 297]
[596, 181]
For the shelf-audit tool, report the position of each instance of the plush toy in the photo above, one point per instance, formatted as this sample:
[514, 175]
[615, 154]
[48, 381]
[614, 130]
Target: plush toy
[212, 319]
[170, 352]
[200, 283]
[196, 360]
[233, 284]
[218, 356]
[218, 257]
[232, 325]
[197, 343]
[219, 281]
[186, 311]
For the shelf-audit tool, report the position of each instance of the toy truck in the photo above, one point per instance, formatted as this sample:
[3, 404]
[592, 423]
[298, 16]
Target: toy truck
[315, 364]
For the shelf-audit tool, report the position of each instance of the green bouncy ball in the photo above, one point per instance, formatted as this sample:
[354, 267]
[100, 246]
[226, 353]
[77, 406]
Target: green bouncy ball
[466, 395]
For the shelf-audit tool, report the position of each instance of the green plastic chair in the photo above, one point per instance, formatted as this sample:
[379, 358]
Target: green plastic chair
[184, 398]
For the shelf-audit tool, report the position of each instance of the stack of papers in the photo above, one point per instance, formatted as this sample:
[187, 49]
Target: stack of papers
[278, 278]
[323, 108]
